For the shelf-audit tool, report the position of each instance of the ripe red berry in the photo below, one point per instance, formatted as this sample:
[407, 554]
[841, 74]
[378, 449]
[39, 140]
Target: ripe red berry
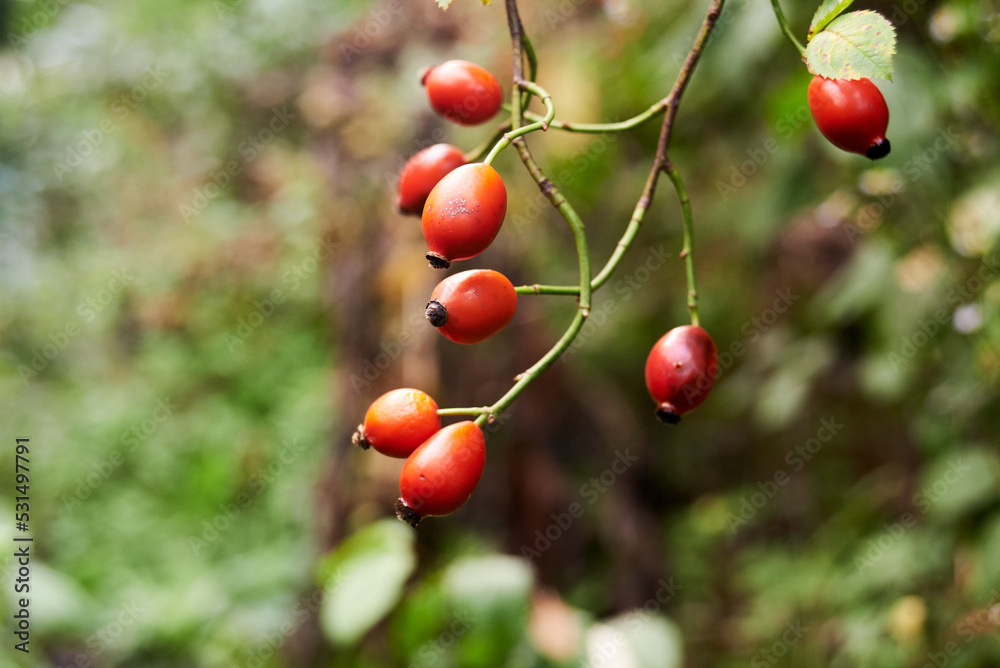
[422, 172]
[398, 422]
[442, 473]
[853, 115]
[472, 306]
[463, 214]
[680, 371]
[463, 92]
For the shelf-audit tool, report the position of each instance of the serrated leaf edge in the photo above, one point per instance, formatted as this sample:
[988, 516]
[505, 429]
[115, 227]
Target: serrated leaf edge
[860, 12]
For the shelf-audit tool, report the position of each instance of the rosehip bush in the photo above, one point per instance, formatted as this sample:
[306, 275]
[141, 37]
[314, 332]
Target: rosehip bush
[463, 206]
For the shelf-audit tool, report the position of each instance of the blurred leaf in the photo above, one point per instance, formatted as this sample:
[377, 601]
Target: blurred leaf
[364, 579]
[488, 583]
[828, 11]
[654, 640]
[858, 45]
[490, 599]
[957, 483]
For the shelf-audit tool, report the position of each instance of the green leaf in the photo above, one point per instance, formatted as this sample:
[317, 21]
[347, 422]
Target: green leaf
[828, 11]
[858, 45]
[363, 579]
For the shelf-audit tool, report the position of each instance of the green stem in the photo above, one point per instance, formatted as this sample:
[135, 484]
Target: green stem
[687, 252]
[526, 378]
[598, 128]
[479, 152]
[542, 124]
[787, 29]
[537, 289]
[474, 410]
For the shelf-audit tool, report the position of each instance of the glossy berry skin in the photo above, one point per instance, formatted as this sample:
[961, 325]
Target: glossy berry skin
[463, 92]
[398, 422]
[852, 115]
[422, 172]
[680, 371]
[463, 214]
[442, 473]
[472, 306]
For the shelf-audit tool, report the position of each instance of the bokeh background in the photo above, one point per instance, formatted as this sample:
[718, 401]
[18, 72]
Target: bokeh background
[204, 285]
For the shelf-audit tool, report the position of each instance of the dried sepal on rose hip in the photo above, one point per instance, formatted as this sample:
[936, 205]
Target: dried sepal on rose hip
[462, 92]
[851, 114]
[422, 172]
[680, 371]
[472, 306]
[463, 214]
[398, 422]
[440, 476]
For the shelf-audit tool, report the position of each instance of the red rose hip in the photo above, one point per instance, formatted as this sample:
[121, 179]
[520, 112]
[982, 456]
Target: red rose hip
[440, 475]
[398, 422]
[463, 92]
[680, 371]
[851, 114]
[472, 306]
[463, 214]
[422, 172]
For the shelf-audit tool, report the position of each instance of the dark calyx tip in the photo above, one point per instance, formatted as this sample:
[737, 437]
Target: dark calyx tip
[438, 261]
[436, 313]
[407, 514]
[667, 414]
[879, 149]
[359, 439]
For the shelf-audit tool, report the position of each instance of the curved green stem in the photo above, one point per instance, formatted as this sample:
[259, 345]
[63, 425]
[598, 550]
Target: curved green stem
[526, 378]
[787, 29]
[479, 152]
[688, 250]
[542, 124]
[597, 128]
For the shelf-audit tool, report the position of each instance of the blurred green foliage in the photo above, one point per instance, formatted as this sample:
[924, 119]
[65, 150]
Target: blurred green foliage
[204, 286]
